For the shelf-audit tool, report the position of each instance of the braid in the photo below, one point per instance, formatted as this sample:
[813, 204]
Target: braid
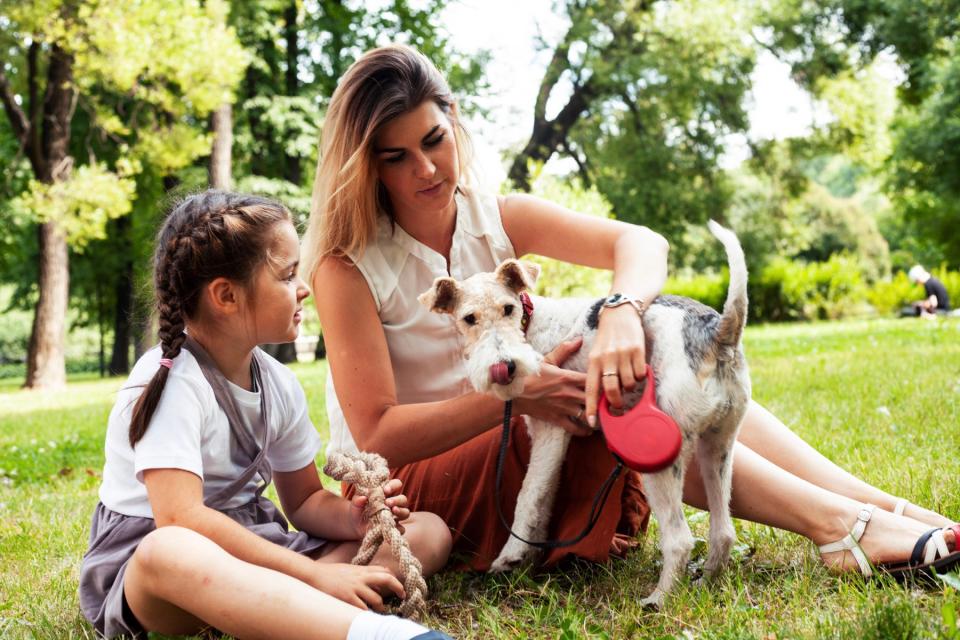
[208, 235]
[171, 330]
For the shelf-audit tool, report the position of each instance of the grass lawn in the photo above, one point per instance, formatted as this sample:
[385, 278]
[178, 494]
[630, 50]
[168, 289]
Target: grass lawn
[881, 398]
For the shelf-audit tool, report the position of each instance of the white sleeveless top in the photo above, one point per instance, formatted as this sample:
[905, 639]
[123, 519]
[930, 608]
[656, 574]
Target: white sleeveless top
[425, 348]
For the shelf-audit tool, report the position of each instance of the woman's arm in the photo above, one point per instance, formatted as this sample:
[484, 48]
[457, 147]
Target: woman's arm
[403, 433]
[638, 258]
[360, 364]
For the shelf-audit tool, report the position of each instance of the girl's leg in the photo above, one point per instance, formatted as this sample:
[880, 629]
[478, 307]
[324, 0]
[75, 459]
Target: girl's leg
[766, 493]
[426, 533]
[179, 582]
[768, 436]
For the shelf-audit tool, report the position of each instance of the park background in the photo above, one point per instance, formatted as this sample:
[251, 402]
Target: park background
[827, 134]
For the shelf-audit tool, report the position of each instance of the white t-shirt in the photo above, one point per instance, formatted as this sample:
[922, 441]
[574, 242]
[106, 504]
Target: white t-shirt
[190, 431]
[426, 351]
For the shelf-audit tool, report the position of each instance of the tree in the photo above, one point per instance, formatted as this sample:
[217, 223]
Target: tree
[299, 51]
[109, 59]
[829, 39]
[43, 131]
[651, 90]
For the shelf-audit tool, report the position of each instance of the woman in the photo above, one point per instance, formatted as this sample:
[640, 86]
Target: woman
[392, 210]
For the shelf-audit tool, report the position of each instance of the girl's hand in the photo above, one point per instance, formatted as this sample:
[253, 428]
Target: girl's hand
[555, 394]
[618, 349]
[361, 586]
[396, 502]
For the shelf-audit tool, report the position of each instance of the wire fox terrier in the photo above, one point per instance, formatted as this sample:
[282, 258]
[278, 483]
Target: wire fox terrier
[702, 381]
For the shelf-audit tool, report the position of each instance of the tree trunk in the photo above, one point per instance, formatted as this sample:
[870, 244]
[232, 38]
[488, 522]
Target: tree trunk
[549, 135]
[46, 363]
[292, 168]
[285, 353]
[123, 310]
[220, 155]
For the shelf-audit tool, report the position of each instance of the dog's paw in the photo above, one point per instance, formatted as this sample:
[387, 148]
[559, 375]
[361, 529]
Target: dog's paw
[654, 601]
[715, 565]
[513, 554]
[502, 565]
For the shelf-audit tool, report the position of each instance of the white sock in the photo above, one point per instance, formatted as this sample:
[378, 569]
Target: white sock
[373, 626]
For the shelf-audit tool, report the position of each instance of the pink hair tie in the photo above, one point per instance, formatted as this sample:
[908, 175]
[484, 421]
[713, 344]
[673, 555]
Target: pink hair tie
[166, 362]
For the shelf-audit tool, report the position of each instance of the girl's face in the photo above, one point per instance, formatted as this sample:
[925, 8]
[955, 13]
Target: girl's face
[417, 162]
[274, 308]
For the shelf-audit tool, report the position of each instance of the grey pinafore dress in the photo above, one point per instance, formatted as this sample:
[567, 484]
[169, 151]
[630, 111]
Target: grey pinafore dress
[115, 536]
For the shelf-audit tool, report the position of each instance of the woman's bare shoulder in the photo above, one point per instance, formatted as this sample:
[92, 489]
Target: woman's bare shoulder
[339, 287]
[336, 271]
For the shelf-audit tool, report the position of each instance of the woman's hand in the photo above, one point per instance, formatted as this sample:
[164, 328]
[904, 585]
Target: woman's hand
[396, 502]
[617, 359]
[361, 586]
[555, 394]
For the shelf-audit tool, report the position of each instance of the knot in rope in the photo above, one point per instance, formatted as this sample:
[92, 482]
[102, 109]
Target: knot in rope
[368, 472]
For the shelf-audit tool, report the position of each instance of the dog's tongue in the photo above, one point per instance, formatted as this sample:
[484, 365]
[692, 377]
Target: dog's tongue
[499, 373]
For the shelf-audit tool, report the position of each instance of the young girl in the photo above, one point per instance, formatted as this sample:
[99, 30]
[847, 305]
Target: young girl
[182, 538]
[392, 210]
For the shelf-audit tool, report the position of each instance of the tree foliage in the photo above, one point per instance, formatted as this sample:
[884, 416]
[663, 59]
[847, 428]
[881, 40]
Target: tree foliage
[145, 78]
[838, 38]
[652, 89]
[123, 85]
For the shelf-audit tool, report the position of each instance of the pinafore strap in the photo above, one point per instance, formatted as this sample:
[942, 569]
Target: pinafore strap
[246, 439]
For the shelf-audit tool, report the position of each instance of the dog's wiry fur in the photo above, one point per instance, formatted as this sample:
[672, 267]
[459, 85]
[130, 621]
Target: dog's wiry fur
[701, 381]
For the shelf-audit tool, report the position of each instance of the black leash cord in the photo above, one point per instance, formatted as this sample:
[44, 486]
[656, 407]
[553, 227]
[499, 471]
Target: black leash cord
[598, 501]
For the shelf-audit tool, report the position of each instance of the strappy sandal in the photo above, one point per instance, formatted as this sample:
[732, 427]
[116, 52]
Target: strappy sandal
[930, 556]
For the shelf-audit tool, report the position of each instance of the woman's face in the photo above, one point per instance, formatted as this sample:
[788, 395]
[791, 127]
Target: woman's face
[417, 162]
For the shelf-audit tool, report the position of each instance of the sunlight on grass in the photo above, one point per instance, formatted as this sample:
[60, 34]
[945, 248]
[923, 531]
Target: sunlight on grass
[881, 398]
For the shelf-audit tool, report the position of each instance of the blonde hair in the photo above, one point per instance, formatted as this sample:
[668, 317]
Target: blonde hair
[347, 196]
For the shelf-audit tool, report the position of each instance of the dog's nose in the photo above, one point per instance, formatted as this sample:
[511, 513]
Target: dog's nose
[502, 372]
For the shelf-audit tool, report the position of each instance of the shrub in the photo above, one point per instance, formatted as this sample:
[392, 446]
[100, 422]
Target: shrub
[710, 289]
[889, 296]
[15, 328]
[796, 290]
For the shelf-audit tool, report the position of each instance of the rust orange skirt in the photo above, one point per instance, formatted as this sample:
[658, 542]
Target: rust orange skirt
[459, 486]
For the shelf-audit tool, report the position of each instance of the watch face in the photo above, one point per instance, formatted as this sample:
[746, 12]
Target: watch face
[614, 299]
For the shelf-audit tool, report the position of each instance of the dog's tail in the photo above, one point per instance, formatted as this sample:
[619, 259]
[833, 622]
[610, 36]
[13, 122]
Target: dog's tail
[734, 316]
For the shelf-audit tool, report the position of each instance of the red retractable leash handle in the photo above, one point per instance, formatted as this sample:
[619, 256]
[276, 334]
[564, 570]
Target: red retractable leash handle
[644, 438]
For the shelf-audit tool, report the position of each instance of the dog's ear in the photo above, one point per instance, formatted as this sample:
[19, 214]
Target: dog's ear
[518, 275]
[442, 296]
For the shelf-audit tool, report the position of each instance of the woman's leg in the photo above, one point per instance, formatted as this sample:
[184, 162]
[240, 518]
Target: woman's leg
[766, 493]
[428, 536]
[768, 436]
[179, 582]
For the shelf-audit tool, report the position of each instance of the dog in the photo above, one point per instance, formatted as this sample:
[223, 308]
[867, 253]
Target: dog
[702, 381]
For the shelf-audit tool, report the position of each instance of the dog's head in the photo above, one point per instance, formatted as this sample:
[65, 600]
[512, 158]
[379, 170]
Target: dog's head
[488, 313]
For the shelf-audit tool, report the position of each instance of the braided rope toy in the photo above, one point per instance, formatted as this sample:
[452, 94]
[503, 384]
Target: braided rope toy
[368, 472]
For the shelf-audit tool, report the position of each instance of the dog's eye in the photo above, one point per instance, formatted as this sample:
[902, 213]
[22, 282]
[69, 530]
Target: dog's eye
[470, 319]
[507, 309]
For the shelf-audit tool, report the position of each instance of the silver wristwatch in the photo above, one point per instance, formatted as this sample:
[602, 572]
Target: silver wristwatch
[619, 299]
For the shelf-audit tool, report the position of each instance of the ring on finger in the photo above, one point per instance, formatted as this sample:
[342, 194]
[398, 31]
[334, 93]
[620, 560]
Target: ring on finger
[609, 373]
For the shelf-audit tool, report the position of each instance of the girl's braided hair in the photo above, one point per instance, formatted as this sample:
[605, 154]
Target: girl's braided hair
[208, 235]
